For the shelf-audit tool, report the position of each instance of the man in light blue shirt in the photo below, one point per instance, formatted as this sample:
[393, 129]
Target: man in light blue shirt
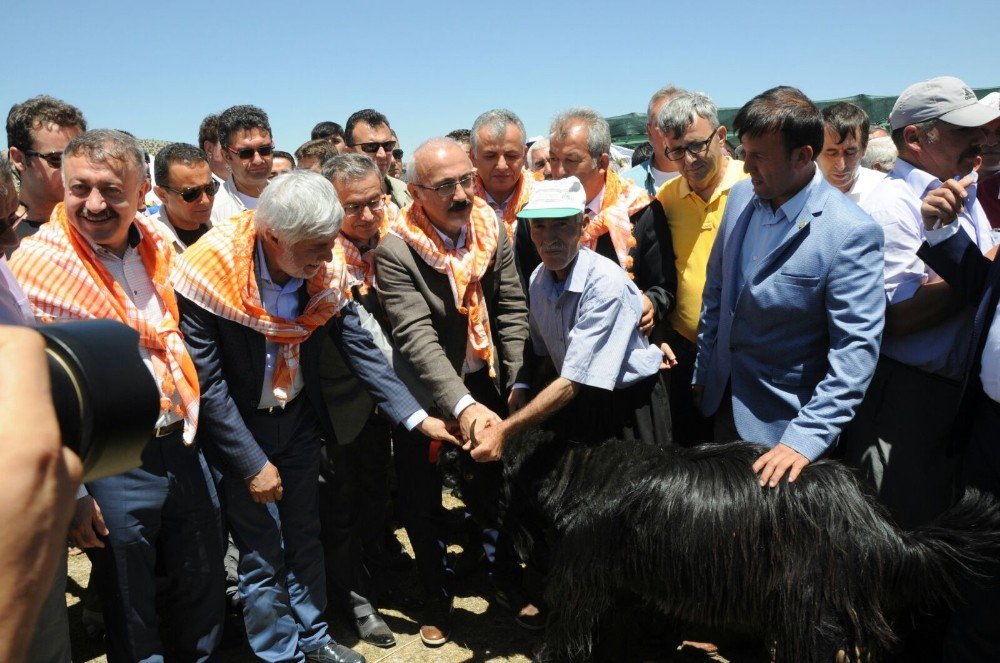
[584, 318]
[657, 170]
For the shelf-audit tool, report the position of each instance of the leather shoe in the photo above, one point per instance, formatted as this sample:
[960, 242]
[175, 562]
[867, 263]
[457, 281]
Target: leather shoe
[373, 630]
[331, 652]
[435, 626]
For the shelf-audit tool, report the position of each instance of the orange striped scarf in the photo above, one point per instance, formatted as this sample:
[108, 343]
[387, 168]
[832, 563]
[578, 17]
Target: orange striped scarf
[621, 200]
[217, 274]
[517, 200]
[464, 267]
[361, 268]
[64, 278]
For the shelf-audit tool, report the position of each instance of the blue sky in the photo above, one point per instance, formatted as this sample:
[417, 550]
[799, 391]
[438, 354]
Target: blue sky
[157, 68]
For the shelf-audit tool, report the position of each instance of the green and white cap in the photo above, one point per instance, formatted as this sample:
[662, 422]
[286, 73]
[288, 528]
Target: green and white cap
[554, 199]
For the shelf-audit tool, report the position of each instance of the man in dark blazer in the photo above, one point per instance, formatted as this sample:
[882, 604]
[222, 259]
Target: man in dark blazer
[948, 250]
[468, 359]
[262, 413]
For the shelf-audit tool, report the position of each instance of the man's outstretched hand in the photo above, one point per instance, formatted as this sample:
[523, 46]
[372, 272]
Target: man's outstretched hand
[772, 465]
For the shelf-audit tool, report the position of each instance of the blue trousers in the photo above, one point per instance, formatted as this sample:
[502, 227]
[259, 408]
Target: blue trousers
[282, 579]
[163, 520]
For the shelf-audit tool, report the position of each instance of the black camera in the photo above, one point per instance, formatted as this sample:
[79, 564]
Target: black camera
[105, 398]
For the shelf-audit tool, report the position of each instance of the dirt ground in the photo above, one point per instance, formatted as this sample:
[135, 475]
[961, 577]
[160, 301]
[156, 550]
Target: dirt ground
[481, 631]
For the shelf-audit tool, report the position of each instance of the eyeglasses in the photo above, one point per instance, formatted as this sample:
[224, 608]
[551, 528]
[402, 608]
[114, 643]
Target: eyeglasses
[54, 159]
[373, 148]
[13, 220]
[695, 149]
[397, 154]
[194, 193]
[247, 153]
[375, 205]
[448, 188]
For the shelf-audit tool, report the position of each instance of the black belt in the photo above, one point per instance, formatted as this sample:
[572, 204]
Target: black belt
[163, 431]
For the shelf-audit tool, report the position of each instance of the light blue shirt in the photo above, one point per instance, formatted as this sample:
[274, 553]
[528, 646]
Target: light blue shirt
[589, 325]
[768, 227]
[895, 205]
[282, 301]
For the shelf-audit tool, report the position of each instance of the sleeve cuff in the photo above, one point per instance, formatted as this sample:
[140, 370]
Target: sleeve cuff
[938, 235]
[521, 385]
[463, 402]
[81, 492]
[414, 419]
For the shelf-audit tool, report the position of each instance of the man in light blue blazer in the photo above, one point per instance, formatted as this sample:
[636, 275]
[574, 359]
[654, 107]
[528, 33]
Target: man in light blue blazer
[793, 303]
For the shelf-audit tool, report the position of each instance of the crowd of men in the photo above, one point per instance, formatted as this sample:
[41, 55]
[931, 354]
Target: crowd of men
[315, 324]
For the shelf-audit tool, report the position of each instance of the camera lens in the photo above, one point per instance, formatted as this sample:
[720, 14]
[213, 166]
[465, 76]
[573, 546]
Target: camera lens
[105, 398]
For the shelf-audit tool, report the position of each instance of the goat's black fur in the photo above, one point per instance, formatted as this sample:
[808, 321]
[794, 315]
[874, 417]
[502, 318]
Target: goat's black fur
[813, 566]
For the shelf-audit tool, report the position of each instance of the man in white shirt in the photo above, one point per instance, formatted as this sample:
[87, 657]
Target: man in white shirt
[245, 137]
[845, 138]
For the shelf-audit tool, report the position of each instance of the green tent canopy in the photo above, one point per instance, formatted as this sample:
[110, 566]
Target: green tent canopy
[630, 130]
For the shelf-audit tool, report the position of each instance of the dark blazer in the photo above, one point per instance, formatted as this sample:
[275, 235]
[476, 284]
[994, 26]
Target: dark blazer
[960, 262]
[229, 358]
[430, 332]
[653, 261]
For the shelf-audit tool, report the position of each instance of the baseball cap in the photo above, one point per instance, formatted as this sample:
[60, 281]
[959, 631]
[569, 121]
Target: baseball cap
[992, 100]
[554, 199]
[944, 98]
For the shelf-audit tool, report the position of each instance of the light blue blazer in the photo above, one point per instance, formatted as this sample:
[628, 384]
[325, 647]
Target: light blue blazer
[799, 341]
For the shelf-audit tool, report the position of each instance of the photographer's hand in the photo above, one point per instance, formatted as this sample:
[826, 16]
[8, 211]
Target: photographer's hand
[40, 481]
[87, 524]
[265, 486]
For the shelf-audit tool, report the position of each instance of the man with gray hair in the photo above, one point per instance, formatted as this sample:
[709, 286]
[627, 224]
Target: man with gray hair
[658, 170]
[693, 205]
[538, 158]
[259, 292]
[880, 155]
[99, 258]
[579, 145]
[497, 151]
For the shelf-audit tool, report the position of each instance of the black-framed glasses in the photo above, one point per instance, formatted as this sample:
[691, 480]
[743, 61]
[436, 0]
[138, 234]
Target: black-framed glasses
[54, 159]
[397, 154]
[695, 149]
[447, 189]
[375, 205]
[12, 220]
[247, 153]
[373, 148]
[194, 193]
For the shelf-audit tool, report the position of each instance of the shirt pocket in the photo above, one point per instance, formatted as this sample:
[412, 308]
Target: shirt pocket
[797, 280]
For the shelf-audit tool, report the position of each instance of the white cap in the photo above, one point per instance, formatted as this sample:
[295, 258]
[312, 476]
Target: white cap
[554, 199]
[944, 98]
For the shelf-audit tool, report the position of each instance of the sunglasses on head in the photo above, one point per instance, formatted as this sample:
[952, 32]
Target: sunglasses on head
[194, 193]
[248, 152]
[373, 148]
[54, 159]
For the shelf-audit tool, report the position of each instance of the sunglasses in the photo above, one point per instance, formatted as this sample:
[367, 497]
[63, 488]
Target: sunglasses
[247, 153]
[397, 154]
[194, 193]
[54, 159]
[373, 148]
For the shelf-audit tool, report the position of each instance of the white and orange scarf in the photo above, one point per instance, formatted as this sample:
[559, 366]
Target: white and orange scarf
[217, 274]
[464, 267]
[621, 200]
[517, 200]
[63, 277]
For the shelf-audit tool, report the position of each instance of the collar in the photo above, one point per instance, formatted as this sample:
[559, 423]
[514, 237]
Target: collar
[134, 239]
[450, 245]
[500, 205]
[732, 175]
[577, 278]
[597, 202]
[920, 181]
[793, 206]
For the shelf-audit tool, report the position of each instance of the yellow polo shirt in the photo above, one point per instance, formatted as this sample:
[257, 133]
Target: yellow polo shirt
[693, 226]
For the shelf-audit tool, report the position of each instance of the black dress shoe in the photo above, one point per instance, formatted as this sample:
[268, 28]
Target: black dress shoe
[331, 652]
[373, 630]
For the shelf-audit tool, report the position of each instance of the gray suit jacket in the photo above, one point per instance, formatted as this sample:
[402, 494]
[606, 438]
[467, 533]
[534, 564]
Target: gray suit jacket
[430, 332]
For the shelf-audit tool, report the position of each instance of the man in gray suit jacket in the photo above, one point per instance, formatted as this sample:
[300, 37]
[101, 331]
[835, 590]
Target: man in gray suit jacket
[793, 304]
[447, 280]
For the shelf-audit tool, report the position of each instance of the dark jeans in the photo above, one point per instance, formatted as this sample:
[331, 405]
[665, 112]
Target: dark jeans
[419, 484]
[163, 518]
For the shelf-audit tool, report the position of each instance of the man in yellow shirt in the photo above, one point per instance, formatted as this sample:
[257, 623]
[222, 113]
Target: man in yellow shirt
[693, 204]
